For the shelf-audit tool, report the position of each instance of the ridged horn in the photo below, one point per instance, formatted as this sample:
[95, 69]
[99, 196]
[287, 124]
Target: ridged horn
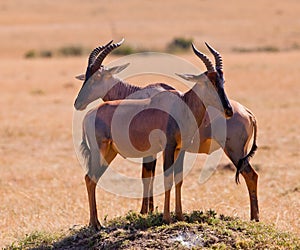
[216, 54]
[96, 52]
[105, 52]
[204, 59]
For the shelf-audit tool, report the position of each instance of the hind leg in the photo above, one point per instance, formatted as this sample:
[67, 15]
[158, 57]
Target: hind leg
[251, 178]
[147, 178]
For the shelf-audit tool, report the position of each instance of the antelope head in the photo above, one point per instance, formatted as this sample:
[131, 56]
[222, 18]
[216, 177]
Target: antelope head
[210, 84]
[98, 79]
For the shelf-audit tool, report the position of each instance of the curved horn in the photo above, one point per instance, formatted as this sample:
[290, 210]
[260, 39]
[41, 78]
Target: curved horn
[105, 52]
[204, 58]
[96, 52]
[216, 54]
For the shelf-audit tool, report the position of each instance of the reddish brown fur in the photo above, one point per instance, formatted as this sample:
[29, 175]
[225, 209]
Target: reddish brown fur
[99, 123]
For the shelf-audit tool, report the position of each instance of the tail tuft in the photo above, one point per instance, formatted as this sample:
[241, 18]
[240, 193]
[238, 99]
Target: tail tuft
[85, 151]
[242, 162]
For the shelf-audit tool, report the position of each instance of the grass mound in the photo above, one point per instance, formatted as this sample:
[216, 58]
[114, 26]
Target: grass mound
[200, 230]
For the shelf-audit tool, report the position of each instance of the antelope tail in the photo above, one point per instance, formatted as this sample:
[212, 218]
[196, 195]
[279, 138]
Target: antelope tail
[85, 150]
[242, 162]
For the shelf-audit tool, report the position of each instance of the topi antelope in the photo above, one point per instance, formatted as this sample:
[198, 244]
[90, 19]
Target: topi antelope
[178, 117]
[99, 81]
[239, 130]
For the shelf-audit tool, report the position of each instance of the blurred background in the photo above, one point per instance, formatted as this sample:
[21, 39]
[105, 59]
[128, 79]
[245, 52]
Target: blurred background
[44, 44]
[235, 26]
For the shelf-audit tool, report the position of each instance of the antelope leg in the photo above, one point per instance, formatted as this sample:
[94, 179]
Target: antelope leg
[91, 190]
[168, 180]
[251, 178]
[147, 179]
[178, 175]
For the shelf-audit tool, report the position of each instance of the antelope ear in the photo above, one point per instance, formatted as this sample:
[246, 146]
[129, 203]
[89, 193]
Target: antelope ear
[80, 77]
[118, 69]
[188, 77]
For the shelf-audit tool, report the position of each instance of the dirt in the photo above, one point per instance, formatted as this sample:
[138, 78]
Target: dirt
[199, 230]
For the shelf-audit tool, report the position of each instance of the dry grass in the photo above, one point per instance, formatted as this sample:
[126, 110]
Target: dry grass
[41, 182]
[199, 230]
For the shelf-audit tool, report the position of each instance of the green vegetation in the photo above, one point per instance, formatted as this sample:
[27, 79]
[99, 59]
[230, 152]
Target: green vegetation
[179, 44]
[37, 92]
[71, 50]
[200, 230]
[35, 239]
[267, 48]
[46, 53]
[257, 49]
[75, 50]
[43, 53]
[30, 54]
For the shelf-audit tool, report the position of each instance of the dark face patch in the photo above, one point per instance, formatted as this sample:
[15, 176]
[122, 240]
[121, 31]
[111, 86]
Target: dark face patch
[217, 80]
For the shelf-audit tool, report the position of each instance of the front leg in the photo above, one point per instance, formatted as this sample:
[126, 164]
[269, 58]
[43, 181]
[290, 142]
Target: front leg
[151, 199]
[178, 175]
[91, 188]
[168, 180]
[147, 179]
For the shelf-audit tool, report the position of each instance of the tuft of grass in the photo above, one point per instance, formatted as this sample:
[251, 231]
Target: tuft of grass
[65, 51]
[179, 44]
[46, 53]
[267, 48]
[71, 50]
[34, 54]
[30, 54]
[40, 240]
[136, 220]
[37, 92]
[295, 46]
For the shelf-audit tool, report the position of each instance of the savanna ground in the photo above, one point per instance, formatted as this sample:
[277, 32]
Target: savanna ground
[41, 183]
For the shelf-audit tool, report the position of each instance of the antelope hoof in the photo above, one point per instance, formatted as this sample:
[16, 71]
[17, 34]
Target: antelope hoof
[167, 219]
[96, 225]
[151, 208]
[151, 205]
[143, 211]
[256, 218]
[179, 217]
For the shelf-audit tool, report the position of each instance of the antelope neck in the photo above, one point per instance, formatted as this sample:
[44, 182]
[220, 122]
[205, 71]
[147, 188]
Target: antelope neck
[120, 91]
